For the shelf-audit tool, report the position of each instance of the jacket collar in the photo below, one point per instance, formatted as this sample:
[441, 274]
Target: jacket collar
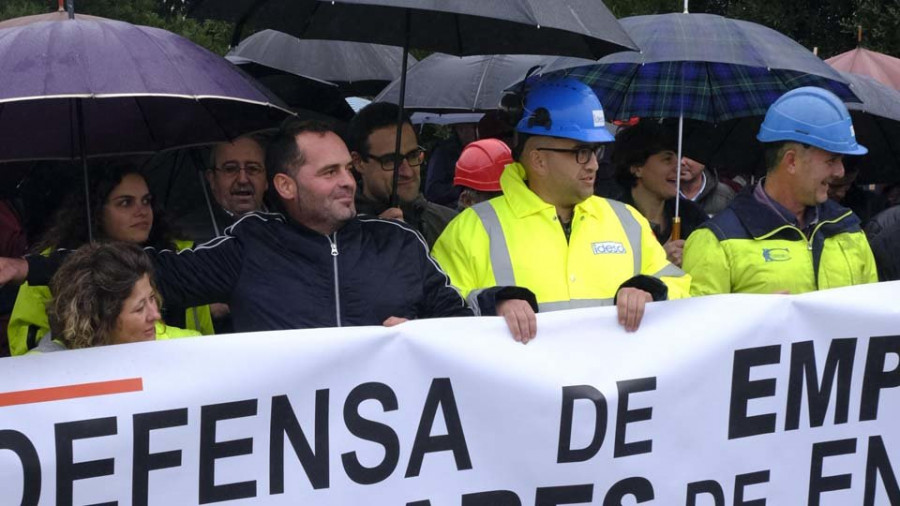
[761, 220]
[524, 202]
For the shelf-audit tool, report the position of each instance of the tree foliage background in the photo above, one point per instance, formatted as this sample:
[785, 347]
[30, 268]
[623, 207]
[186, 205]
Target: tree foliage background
[166, 14]
[829, 25]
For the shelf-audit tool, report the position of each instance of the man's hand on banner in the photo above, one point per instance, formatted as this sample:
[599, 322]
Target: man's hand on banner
[520, 318]
[630, 303]
[13, 270]
[394, 320]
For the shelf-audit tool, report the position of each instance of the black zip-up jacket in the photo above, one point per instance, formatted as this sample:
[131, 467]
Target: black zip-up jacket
[277, 274]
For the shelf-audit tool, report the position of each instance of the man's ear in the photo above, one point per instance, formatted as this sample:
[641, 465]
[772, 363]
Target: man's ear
[789, 160]
[534, 160]
[285, 186]
[356, 161]
[210, 174]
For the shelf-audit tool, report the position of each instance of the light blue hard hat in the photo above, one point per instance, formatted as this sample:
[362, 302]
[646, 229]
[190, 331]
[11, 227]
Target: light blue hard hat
[812, 116]
[564, 107]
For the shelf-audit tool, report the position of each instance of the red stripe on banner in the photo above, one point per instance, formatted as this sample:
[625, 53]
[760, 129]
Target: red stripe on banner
[72, 391]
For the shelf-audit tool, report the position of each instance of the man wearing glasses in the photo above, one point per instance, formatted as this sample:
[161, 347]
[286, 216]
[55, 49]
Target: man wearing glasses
[371, 137]
[237, 176]
[548, 232]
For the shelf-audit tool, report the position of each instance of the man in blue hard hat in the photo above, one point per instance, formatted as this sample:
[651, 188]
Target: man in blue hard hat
[548, 232]
[786, 236]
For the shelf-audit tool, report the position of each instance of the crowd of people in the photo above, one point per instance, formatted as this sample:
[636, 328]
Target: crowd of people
[307, 232]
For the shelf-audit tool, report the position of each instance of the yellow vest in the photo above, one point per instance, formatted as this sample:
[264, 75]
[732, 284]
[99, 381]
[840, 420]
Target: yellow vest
[516, 239]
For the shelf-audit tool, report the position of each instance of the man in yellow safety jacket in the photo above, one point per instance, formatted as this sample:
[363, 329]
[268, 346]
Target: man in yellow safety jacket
[548, 232]
[785, 235]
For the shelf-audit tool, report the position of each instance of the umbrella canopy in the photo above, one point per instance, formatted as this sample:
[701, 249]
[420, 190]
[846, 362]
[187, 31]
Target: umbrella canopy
[443, 83]
[356, 67]
[582, 28]
[703, 66]
[461, 27]
[881, 67]
[422, 118]
[85, 88]
[309, 98]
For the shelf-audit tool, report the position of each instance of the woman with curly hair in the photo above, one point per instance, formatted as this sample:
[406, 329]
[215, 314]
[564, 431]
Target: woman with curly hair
[103, 294]
[121, 210]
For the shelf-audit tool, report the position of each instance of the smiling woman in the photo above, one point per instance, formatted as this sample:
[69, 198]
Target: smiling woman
[647, 167]
[104, 294]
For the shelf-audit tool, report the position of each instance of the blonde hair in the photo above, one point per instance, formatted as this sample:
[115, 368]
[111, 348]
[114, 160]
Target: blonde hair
[89, 290]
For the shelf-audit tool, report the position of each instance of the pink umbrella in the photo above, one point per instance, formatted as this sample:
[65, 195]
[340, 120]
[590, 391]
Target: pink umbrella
[881, 67]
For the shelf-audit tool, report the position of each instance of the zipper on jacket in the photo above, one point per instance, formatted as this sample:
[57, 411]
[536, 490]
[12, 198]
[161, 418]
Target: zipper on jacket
[337, 292]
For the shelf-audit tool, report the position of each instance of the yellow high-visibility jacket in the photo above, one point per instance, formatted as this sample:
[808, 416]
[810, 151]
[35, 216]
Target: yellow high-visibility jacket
[163, 333]
[750, 248]
[28, 322]
[516, 240]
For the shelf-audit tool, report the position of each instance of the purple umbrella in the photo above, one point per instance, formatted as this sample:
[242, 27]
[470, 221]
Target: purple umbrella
[84, 88]
[123, 88]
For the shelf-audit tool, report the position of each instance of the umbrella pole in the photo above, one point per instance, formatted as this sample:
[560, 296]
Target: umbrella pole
[395, 199]
[676, 220]
[84, 167]
[209, 207]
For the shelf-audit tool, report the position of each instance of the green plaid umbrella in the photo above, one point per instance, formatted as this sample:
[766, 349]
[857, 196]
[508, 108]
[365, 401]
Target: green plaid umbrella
[701, 66]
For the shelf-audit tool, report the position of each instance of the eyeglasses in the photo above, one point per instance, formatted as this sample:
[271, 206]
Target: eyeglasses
[232, 169]
[414, 158]
[582, 153]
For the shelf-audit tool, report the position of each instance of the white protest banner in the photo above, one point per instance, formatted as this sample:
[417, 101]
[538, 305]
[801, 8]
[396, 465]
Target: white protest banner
[727, 400]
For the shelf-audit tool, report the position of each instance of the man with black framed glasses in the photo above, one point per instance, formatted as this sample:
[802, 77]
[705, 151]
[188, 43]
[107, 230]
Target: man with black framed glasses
[548, 232]
[371, 137]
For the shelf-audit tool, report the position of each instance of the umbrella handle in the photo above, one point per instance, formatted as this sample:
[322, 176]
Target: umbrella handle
[676, 229]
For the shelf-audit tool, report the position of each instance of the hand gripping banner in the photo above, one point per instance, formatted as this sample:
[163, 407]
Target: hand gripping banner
[726, 400]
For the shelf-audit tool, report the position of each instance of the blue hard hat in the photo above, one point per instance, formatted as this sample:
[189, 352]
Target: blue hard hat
[564, 107]
[812, 116]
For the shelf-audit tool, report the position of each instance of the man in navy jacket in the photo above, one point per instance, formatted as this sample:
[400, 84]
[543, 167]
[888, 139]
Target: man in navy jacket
[320, 265]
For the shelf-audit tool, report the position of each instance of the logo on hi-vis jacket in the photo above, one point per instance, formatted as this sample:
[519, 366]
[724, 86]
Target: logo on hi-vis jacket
[608, 247]
[776, 254]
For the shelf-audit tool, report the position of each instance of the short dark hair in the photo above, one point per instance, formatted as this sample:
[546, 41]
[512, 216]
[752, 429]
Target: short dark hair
[634, 145]
[283, 156]
[773, 152]
[519, 140]
[89, 290]
[258, 138]
[370, 118]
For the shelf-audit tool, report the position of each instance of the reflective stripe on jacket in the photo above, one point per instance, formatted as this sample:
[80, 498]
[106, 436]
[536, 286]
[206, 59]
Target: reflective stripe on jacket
[28, 321]
[516, 239]
[749, 248]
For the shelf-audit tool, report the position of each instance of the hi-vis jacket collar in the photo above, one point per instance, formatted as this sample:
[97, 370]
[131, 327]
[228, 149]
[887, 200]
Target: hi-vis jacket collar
[759, 224]
[525, 202]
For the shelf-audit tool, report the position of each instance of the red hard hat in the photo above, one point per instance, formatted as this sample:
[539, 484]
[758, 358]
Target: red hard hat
[481, 163]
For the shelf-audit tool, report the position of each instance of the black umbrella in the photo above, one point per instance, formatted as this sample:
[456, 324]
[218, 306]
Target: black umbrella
[357, 68]
[444, 83]
[308, 97]
[583, 28]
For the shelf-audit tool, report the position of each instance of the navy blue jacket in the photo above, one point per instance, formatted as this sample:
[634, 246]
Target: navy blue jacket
[276, 274]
